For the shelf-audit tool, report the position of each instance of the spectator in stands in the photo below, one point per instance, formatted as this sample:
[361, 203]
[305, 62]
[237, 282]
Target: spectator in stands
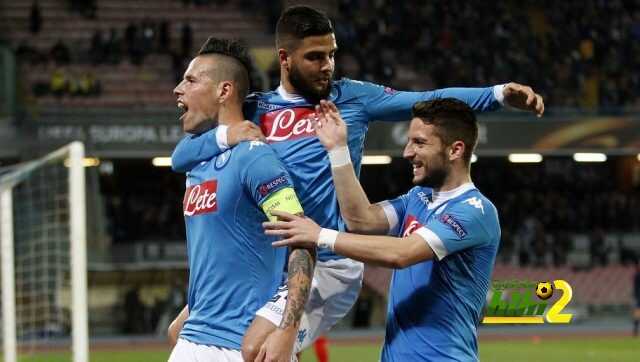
[164, 38]
[60, 53]
[113, 47]
[186, 40]
[35, 18]
[97, 50]
[59, 84]
[597, 248]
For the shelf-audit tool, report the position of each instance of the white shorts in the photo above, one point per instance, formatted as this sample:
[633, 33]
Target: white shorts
[186, 351]
[334, 290]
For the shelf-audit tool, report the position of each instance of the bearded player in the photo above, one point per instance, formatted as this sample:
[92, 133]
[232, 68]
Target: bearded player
[306, 48]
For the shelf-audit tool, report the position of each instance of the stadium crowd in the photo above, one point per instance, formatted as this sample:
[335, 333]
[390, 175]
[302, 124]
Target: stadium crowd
[575, 56]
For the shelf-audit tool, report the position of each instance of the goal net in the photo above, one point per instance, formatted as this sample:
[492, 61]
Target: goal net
[43, 255]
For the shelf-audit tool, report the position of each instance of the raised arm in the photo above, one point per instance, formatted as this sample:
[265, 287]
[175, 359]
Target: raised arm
[356, 210]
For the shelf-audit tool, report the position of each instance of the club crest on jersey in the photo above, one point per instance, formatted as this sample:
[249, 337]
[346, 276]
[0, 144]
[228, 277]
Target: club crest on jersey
[411, 224]
[452, 223]
[222, 159]
[200, 199]
[288, 124]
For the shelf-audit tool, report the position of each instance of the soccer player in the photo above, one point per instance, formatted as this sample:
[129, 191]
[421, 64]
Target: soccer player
[306, 47]
[233, 269]
[445, 233]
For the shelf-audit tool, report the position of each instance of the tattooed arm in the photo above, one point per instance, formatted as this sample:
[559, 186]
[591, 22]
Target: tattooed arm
[300, 273]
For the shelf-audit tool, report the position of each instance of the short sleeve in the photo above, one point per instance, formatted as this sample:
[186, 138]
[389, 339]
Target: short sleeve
[461, 226]
[263, 174]
[395, 210]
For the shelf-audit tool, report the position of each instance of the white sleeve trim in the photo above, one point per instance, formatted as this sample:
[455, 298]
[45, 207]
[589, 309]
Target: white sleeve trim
[392, 216]
[221, 137]
[498, 93]
[433, 241]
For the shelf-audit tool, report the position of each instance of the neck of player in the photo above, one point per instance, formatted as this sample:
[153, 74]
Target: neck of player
[230, 114]
[284, 81]
[456, 178]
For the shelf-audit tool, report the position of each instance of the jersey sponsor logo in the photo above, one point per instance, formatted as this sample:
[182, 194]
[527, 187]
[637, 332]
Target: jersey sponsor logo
[411, 224]
[475, 202]
[200, 199]
[222, 159]
[288, 124]
[452, 223]
[267, 187]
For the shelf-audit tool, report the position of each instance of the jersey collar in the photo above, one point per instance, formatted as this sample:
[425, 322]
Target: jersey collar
[289, 97]
[294, 97]
[438, 198]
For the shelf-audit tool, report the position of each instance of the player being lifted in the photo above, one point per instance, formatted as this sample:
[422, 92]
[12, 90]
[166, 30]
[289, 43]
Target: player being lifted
[445, 233]
[233, 269]
[306, 47]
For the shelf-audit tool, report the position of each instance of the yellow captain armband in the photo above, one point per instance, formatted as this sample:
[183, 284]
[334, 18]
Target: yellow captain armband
[282, 200]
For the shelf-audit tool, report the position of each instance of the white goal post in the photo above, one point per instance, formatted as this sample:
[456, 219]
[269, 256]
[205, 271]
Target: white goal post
[72, 157]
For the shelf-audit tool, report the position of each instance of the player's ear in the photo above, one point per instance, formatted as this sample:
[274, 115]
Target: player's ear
[283, 58]
[224, 90]
[456, 150]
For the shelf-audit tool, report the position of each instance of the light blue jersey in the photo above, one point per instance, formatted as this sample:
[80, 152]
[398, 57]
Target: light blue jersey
[286, 122]
[434, 306]
[233, 269]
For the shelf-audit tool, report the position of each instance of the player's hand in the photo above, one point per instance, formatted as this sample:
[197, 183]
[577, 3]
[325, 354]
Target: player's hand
[244, 131]
[295, 230]
[278, 347]
[523, 97]
[329, 126]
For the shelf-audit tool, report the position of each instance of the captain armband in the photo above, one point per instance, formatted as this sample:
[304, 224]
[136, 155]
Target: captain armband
[282, 200]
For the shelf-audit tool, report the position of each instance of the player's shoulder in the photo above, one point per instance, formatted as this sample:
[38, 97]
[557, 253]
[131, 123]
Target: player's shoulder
[474, 203]
[251, 148]
[361, 88]
[260, 100]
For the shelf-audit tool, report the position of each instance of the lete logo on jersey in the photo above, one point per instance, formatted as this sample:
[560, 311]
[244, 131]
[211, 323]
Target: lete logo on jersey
[288, 124]
[200, 199]
[411, 224]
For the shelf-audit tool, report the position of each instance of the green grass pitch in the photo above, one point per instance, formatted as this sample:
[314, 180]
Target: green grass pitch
[619, 349]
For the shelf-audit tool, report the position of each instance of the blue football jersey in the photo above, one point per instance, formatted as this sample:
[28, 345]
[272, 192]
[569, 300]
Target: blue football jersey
[286, 121]
[233, 269]
[434, 306]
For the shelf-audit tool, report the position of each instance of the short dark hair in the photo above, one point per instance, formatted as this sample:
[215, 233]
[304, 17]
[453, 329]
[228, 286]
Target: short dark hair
[454, 121]
[234, 62]
[299, 22]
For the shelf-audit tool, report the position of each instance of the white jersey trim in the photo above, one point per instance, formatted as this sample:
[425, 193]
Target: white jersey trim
[439, 198]
[290, 97]
[392, 216]
[433, 241]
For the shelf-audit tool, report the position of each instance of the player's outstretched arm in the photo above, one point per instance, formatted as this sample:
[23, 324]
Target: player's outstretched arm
[385, 104]
[386, 251]
[356, 210]
[192, 150]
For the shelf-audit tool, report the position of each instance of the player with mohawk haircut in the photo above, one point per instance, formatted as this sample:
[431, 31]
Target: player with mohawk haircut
[233, 270]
